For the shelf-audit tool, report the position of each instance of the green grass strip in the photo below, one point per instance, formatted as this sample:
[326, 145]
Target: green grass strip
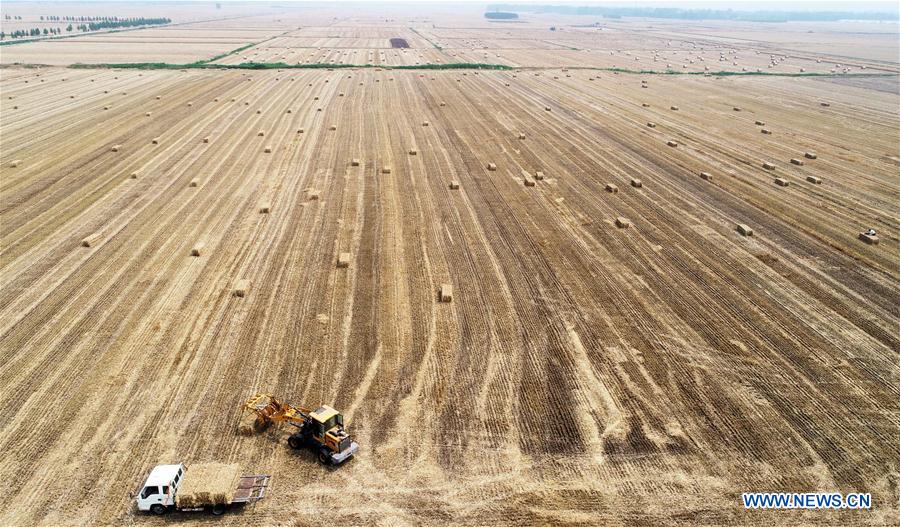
[232, 52]
[451, 66]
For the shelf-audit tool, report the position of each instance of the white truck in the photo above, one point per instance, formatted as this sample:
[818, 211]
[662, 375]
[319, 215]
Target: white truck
[159, 493]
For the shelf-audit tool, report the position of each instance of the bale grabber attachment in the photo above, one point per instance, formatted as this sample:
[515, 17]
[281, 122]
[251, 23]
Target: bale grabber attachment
[263, 409]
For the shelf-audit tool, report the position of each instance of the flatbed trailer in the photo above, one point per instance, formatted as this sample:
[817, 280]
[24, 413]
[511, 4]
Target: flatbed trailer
[158, 494]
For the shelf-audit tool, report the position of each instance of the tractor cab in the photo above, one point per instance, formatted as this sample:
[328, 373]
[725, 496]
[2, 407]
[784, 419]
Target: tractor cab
[327, 426]
[325, 419]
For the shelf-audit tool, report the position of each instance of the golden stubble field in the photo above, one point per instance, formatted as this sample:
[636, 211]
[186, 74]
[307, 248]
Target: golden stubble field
[584, 373]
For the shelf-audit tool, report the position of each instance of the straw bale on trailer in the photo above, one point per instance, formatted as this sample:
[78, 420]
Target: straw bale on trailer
[208, 484]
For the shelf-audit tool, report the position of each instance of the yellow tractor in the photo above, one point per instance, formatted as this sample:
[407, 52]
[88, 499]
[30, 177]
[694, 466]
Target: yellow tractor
[321, 429]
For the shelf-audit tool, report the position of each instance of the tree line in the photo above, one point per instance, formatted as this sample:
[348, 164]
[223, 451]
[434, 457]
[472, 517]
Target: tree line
[500, 15]
[97, 24]
[52, 18]
[768, 15]
[33, 32]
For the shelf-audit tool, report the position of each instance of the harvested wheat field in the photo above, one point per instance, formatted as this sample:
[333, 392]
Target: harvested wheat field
[539, 318]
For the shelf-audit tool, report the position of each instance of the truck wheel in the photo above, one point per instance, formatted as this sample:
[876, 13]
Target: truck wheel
[324, 456]
[218, 510]
[295, 442]
[157, 509]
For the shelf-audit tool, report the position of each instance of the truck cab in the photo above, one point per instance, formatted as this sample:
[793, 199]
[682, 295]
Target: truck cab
[157, 494]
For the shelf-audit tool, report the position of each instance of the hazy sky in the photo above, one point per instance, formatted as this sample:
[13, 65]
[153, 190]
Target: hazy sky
[743, 5]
